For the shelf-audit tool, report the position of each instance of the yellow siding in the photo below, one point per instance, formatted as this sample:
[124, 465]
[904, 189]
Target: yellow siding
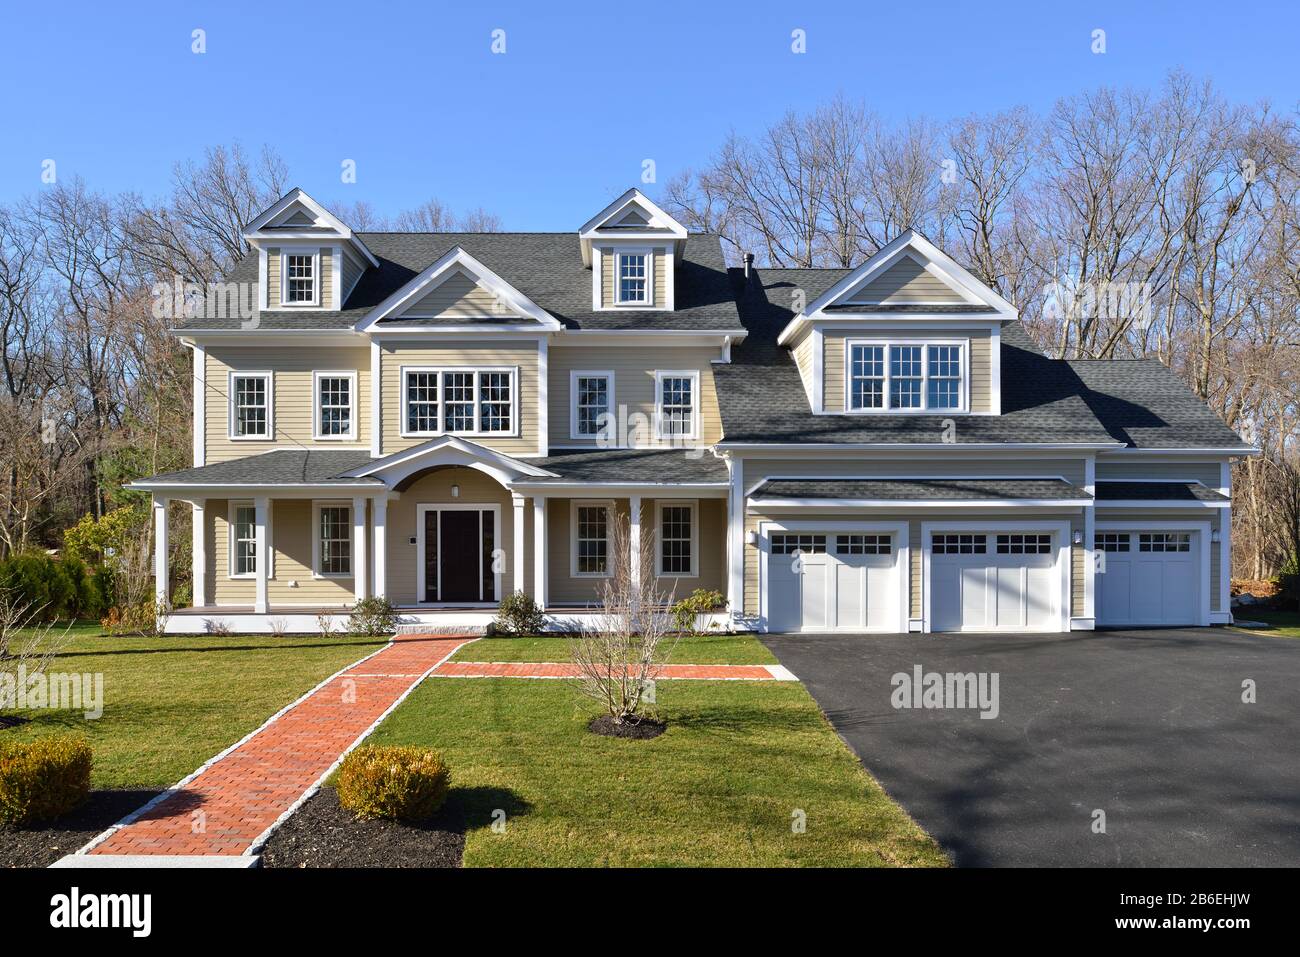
[634, 384]
[293, 398]
[833, 361]
[803, 359]
[499, 354]
[292, 582]
[607, 279]
[273, 278]
[1197, 471]
[906, 281]
[458, 296]
[1071, 469]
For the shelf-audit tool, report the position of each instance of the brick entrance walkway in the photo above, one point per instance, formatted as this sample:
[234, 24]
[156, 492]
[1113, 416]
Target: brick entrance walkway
[225, 806]
[557, 669]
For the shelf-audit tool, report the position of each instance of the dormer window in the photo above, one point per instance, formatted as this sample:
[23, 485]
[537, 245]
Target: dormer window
[633, 278]
[301, 274]
[906, 376]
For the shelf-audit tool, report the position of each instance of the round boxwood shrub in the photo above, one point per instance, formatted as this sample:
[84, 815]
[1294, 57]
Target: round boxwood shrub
[401, 783]
[43, 779]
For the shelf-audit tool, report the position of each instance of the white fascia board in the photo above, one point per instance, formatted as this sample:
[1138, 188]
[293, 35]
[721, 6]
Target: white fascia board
[526, 331]
[1181, 453]
[295, 489]
[907, 503]
[457, 257]
[1162, 504]
[626, 337]
[674, 229]
[946, 448]
[272, 337]
[658, 489]
[918, 477]
[256, 229]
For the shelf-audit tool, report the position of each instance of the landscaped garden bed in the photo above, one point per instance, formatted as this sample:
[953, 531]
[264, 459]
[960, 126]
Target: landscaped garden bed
[42, 845]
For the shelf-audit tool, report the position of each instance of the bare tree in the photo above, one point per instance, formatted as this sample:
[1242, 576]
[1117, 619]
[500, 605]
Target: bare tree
[619, 658]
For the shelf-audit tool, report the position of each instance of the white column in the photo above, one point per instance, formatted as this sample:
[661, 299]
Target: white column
[381, 546]
[518, 577]
[736, 537]
[1089, 556]
[359, 546]
[161, 591]
[634, 537]
[199, 553]
[262, 558]
[539, 551]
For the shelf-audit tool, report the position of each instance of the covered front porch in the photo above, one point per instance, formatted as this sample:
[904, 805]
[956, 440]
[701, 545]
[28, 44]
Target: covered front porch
[443, 531]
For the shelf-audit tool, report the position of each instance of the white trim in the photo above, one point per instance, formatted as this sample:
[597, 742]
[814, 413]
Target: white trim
[376, 400]
[269, 377]
[574, 376]
[520, 557]
[262, 549]
[199, 552]
[1061, 530]
[597, 278]
[1164, 504]
[610, 517]
[963, 345]
[423, 508]
[1089, 530]
[441, 371]
[819, 370]
[694, 506]
[200, 404]
[696, 402]
[670, 287]
[995, 370]
[735, 551]
[539, 550]
[360, 567]
[161, 558]
[504, 468]
[232, 506]
[336, 276]
[379, 529]
[1225, 543]
[616, 296]
[351, 376]
[1001, 503]
[257, 229]
[1199, 528]
[316, 506]
[316, 281]
[457, 259]
[902, 558]
[543, 396]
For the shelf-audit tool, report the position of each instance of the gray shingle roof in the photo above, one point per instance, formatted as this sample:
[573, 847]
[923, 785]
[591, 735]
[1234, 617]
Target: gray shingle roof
[1157, 492]
[545, 267]
[278, 467]
[1139, 403]
[924, 490]
[670, 466]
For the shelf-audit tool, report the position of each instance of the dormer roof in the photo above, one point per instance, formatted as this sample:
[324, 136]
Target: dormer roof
[295, 215]
[632, 216]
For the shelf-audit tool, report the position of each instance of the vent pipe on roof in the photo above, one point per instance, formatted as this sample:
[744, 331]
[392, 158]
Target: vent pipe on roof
[749, 262]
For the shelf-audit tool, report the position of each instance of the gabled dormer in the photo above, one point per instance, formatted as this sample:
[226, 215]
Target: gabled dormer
[909, 332]
[308, 259]
[632, 248]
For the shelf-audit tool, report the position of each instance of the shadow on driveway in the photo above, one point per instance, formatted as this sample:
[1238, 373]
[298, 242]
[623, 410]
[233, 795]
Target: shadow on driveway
[1146, 726]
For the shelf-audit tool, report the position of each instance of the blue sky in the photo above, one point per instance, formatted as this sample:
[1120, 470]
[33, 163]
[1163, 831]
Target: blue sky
[545, 134]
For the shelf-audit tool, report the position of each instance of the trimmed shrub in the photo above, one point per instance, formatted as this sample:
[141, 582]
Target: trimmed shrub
[400, 783]
[372, 616]
[699, 602]
[43, 779]
[518, 615]
[38, 581]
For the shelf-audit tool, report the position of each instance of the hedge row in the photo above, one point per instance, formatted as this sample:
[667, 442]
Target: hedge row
[60, 588]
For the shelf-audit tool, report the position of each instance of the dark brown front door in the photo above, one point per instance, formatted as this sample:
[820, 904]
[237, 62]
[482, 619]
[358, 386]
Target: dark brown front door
[459, 555]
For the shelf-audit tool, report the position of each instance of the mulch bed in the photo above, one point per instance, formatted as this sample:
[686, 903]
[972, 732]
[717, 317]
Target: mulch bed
[321, 833]
[644, 728]
[42, 845]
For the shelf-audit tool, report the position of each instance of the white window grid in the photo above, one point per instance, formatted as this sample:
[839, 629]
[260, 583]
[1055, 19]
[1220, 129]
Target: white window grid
[1165, 542]
[335, 405]
[958, 544]
[300, 278]
[1111, 542]
[864, 544]
[894, 376]
[592, 398]
[677, 404]
[633, 277]
[677, 539]
[334, 548]
[250, 405]
[1024, 544]
[788, 543]
[440, 401]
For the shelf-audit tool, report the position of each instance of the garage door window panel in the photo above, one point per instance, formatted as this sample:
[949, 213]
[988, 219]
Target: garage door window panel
[959, 544]
[864, 544]
[788, 544]
[1165, 542]
[1024, 544]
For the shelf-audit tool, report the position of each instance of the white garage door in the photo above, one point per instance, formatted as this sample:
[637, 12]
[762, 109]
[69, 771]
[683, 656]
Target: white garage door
[832, 581]
[993, 581]
[1148, 578]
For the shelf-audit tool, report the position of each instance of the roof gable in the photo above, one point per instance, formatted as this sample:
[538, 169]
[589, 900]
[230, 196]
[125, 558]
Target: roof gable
[296, 215]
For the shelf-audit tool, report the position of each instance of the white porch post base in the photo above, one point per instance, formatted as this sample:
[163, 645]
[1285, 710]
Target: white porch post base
[199, 556]
[161, 591]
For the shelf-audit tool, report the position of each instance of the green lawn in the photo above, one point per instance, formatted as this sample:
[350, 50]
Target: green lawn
[719, 788]
[1281, 624]
[171, 703]
[695, 650]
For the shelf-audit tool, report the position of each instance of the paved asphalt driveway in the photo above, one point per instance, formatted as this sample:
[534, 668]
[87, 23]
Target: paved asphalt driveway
[1148, 726]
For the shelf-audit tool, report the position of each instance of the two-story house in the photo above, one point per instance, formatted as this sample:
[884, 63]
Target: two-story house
[444, 418]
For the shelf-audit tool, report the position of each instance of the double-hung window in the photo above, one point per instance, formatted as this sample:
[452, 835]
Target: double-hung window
[300, 285]
[593, 397]
[460, 401]
[678, 539]
[336, 396]
[632, 278]
[333, 541]
[591, 539]
[251, 405]
[241, 528]
[905, 376]
[677, 397]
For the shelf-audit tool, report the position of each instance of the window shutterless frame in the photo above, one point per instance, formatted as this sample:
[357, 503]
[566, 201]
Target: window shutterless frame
[647, 277]
[332, 401]
[575, 536]
[575, 410]
[317, 538]
[443, 378]
[693, 538]
[233, 538]
[305, 251]
[238, 399]
[963, 387]
[662, 375]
